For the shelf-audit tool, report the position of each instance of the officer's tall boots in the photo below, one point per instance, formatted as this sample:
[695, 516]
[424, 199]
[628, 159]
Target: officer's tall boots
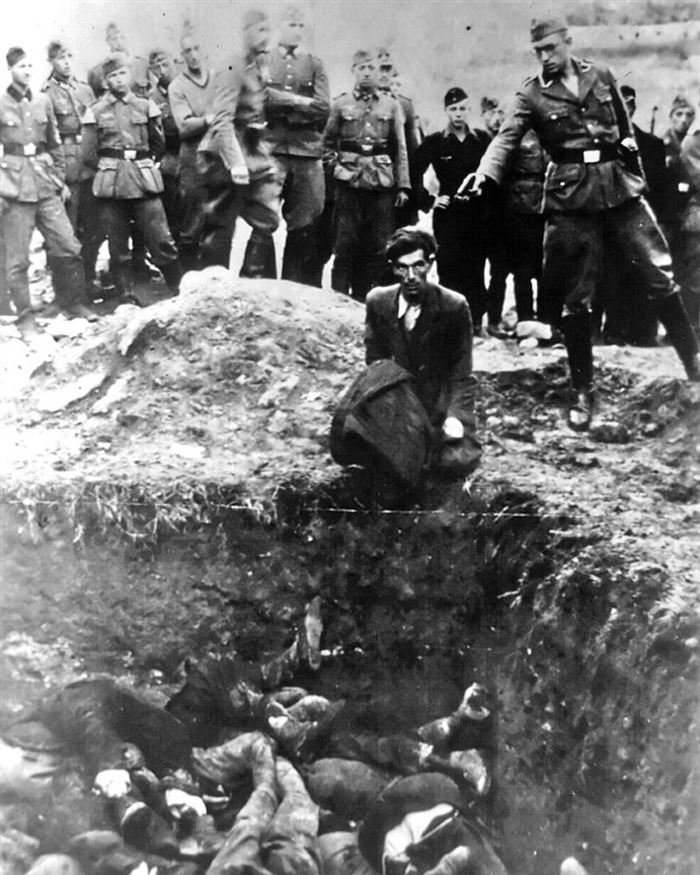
[299, 263]
[577, 337]
[259, 261]
[69, 287]
[172, 274]
[673, 317]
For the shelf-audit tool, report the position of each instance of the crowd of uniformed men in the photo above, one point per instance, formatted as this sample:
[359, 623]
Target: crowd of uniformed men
[160, 156]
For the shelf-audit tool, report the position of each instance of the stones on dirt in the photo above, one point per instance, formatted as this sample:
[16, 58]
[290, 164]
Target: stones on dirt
[54, 400]
[117, 392]
[55, 864]
[17, 850]
[609, 433]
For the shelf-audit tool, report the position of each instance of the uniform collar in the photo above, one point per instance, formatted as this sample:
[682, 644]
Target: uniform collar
[448, 130]
[286, 52]
[18, 95]
[64, 83]
[581, 68]
[115, 98]
[201, 82]
[365, 95]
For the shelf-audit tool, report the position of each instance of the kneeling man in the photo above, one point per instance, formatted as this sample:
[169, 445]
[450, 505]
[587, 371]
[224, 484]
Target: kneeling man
[427, 330]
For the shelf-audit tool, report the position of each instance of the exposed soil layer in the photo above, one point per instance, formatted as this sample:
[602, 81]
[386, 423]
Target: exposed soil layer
[168, 492]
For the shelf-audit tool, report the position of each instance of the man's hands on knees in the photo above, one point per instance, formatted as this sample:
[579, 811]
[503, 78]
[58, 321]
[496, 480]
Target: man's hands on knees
[240, 175]
[452, 429]
[112, 783]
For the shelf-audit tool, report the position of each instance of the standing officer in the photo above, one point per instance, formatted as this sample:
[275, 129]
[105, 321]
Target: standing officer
[191, 96]
[240, 175]
[297, 109]
[32, 170]
[387, 78]
[458, 225]
[366, 133]
[70, 99]
[593, 199]
[160, 63]
[122, 137]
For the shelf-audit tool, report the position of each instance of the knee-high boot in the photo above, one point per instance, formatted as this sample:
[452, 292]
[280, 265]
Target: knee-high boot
[577, 337]
[69, 286]
[673, 316]
[259, 260]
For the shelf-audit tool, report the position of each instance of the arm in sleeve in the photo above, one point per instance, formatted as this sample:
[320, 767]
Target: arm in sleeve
[89, 144]
[315, 112]
[423, 160]
[189, 125]
[156, 136]
[517, 123]
[53, 141]
[331, 134]
[401, 169]
[227, 88]
[376, 347]
[460, 384]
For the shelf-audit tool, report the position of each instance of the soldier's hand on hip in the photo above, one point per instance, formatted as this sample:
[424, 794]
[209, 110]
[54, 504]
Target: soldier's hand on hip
[472, 186]
[629, 144]
[240, 175]
[401, 199]
[442, 202]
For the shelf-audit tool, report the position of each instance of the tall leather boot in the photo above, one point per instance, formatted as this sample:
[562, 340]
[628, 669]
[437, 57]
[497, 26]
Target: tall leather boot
[259, 260]
[577, 338]
[69, 287]
[673, 317]
[172, 274]
[292, 261]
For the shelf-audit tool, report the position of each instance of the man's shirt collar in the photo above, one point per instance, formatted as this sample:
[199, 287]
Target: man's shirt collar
[288, 51]
[365, 95]
[404, 305]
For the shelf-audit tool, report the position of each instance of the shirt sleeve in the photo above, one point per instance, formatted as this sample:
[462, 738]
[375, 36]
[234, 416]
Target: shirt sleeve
[227, 89]
[516, 124]
[189, 125]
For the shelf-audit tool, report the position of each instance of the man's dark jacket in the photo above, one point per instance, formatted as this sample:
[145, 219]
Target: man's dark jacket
[438, 352]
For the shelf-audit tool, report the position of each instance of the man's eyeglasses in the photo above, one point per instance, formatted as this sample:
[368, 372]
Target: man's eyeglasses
[418, 267]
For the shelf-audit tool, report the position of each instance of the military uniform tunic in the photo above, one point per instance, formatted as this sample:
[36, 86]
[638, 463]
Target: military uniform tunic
[688, 269]
[32, 170]
[122, 140]
[592, 190]
[366, 132]
[296, 135]
[236, 138]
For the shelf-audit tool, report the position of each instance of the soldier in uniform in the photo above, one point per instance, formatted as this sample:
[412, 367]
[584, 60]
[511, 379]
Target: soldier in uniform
[408, 214]
[366, 133]
[593, 199]
[70, 99]
[688, 266]
[240, 175]
[160, 63]
[32, 189]
[122, 140]
[191, 96]
[297, 109]
[458, 224]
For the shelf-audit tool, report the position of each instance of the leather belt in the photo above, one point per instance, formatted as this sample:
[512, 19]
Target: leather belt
[124, 154]
[27, 150]
[595, 155]
[362, 148]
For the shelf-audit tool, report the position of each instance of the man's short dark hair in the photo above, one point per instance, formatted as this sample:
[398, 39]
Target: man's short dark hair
[407, 240]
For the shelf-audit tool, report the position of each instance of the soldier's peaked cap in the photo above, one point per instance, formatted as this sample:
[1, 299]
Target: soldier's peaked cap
[362, 56]
[155, 54]
[455, 95]
[293, 12]
[251, 17]
[55, 48]
[114, 61]
[542, 27]
[14, 55]
[680, 101]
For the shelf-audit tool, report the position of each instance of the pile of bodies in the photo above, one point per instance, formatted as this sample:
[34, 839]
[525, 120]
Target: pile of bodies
[242, 774]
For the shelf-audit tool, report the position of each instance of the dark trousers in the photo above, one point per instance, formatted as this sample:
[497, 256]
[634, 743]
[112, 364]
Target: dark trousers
[524, 233]
[574, 244]
[364, 221]
[499, 268]
[256, 203]
[172, 204]
[461, 255]
[191, 212]
[87, 221]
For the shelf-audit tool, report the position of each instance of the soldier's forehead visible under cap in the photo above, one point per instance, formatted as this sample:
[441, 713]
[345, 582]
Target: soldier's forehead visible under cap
[680, 101]
[455, 95]
[293, 12]
[384, 55]
[14, 55]
[56, 48]
[362, 56]
[251, 17]
[542, 27]
[114, 61]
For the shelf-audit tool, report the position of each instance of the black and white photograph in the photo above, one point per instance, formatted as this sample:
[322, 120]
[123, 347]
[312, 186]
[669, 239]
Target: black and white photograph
[350, 428]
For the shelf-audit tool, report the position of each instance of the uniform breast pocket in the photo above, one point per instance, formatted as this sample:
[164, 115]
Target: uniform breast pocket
[603, 96]
[306, 87]
[349, 124]
[382, 126]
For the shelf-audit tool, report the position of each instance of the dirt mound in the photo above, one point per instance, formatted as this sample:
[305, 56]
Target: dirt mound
[234, 381]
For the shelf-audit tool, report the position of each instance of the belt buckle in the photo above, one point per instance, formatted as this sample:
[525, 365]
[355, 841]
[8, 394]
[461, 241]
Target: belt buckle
[29, 150]
[683, 187]
[591, 156]
[130, 154]
[366, 148]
